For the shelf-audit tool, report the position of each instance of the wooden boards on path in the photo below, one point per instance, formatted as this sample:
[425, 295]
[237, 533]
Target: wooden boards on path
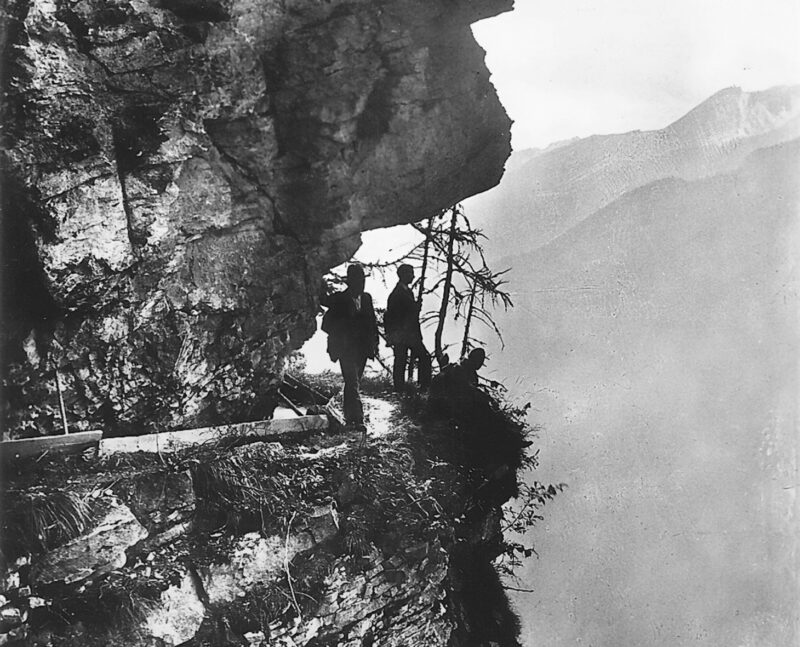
[168, 441]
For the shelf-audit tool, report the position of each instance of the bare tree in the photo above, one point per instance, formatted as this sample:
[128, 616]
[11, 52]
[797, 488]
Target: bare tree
[465, 280]
[448, 284]
[465, 343]
[453, 271]
[486, 293]
[426, 246]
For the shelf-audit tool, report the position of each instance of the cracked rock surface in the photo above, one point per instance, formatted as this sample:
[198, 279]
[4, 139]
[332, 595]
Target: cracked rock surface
[315, 540]
[178, 175]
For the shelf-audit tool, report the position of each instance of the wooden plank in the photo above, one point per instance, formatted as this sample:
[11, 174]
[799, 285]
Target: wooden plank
[171, 441]
[289, 403]
[315, 396]
[66, 444]
[334, 410]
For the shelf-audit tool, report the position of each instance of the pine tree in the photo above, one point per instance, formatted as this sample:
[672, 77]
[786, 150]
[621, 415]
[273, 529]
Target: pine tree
[453, 274]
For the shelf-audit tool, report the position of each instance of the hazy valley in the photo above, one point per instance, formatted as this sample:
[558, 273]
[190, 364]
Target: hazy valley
[655, 332]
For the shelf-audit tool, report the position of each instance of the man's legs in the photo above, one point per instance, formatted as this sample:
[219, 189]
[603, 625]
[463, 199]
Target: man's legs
[399, 368]
[423, 358]
[361, 364]
[352, 370]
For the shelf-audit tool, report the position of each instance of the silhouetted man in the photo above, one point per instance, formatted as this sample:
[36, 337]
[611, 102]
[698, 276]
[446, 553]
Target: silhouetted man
[401, 324]
[467, 369]
[455, 388]
[352, 339]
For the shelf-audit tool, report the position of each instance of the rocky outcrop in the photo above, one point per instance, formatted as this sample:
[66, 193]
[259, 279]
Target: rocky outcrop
[98, 552]
[324, 541]
[178, 175]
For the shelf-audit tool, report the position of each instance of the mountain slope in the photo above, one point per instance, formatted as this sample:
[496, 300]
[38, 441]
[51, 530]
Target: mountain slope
[658, 341]
[552, 191]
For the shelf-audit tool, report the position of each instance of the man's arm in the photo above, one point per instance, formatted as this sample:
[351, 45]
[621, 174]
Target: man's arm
[332, 318]
[394, 306]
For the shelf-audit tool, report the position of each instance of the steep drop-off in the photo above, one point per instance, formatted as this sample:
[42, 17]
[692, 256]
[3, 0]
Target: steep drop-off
[660, 337]
[179, 174]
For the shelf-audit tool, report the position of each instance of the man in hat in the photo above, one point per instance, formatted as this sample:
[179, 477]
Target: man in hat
[455, 388]
[352, 339]
[401, 325]
[467, 370]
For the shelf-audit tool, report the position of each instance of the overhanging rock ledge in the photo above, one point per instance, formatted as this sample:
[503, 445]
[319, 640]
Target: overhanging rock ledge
[178, 175]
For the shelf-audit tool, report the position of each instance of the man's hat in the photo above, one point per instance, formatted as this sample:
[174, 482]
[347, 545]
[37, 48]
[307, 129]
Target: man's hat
[355, 271]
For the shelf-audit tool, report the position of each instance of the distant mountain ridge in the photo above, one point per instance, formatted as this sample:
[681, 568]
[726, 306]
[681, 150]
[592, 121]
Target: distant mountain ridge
[665, 233]
[547, 192]
[731, 115]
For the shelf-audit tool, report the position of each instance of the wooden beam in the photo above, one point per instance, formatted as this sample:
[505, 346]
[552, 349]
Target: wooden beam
[66, 444]
[316, 396]
[162, 538]
[170, 441]
[289, 403]
[333, 410]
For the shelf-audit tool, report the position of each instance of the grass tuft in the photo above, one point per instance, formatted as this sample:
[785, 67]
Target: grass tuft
[357, 534]
[110, 611]
[37, 521]
[252, 488]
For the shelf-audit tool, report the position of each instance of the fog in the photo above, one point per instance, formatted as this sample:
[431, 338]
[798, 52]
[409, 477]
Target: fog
[658, 344]
[580, 68]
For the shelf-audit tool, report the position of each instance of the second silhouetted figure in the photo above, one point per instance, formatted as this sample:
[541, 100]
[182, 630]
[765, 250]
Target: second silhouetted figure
[401, 325]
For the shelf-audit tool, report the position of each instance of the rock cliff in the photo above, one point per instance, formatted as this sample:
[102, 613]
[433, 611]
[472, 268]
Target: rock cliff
[307, 539]
[179, 174]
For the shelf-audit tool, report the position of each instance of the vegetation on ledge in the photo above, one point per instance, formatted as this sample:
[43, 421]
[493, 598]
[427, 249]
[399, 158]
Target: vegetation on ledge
[418, 511]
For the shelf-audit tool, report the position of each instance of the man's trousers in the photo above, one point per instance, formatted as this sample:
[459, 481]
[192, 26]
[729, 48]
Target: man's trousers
[352, 370]
[418, 352]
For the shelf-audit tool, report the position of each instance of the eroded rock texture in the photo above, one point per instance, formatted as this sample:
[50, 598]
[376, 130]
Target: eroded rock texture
[315, 540]
[180, 173]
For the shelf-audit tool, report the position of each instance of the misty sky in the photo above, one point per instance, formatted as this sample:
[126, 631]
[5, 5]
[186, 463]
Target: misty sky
[624, 559]
[584, 67]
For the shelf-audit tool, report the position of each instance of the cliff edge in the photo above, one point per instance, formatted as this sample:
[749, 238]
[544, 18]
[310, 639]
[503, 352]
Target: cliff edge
[322, 538]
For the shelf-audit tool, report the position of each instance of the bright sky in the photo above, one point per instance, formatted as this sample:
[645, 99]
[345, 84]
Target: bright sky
[575, 68]
[583, 67]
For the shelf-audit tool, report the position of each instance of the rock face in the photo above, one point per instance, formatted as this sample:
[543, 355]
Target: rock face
[98, 552]
[324, 540]
[178, 175]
